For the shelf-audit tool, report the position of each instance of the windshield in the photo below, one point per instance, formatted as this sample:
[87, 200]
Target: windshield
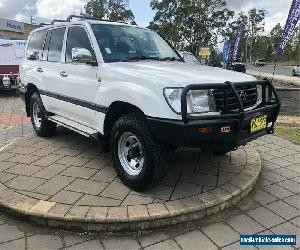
[124, 43]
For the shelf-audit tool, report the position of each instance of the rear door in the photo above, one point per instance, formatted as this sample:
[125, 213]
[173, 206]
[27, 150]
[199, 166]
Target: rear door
[80, 79]
[50, 68]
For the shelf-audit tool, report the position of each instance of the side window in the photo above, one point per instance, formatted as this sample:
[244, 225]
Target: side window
[35, 45]
[56, 44]
[77, 37]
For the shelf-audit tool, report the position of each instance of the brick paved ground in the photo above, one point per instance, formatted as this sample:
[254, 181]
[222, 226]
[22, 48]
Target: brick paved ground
[271, 208]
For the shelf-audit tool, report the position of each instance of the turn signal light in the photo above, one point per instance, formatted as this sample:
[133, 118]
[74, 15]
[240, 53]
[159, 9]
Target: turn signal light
[205, 130]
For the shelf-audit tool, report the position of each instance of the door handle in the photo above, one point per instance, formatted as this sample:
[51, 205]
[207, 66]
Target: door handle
[64, 74]
[40, 70]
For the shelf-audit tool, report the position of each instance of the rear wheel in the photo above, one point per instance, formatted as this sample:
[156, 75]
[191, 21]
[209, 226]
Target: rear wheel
[41, 125]
[139, 159]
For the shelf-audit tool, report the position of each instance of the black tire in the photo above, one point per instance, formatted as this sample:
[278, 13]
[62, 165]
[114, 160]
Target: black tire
[294, 73]
[154, 153]
[46, 128]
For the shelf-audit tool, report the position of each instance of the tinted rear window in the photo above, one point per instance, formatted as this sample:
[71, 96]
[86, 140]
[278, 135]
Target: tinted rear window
[56, 44]
[35, 45]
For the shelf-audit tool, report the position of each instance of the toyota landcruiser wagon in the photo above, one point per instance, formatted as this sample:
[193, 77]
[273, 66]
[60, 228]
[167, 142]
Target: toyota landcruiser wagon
[128, 87]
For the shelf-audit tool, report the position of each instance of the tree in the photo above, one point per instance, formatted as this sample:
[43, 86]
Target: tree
[190, 24]
[113, 10]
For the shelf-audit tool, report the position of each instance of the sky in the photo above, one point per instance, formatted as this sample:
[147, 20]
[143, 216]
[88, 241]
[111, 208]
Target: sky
[45, 10]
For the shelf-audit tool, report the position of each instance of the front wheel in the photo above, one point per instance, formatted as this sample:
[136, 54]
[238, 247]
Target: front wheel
[139, 159]
[41, 125]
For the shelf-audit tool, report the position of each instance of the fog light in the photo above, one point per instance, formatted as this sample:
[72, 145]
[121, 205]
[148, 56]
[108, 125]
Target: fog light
[205, 130]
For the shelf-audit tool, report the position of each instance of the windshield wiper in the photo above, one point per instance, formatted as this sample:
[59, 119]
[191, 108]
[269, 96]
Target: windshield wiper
[138, 58]
[169, 58]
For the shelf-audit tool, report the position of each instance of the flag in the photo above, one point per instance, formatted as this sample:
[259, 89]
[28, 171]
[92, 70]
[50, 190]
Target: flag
[238, 39]
[225, 52]
[290, 25]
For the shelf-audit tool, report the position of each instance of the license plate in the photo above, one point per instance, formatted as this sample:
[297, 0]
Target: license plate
[258, 123]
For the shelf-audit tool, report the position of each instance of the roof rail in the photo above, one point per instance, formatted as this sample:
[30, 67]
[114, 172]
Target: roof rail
[44, 24]
[69, 19]
[58, 21]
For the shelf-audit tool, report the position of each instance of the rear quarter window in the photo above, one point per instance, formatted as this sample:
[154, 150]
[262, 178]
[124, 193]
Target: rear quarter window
[35, 45]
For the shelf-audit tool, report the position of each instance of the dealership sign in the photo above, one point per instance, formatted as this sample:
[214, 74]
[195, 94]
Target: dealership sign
[11, 25]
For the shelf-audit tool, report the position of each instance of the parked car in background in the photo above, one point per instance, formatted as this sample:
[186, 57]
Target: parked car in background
[296, 70]
[260, 63]
[127, 87]
[189, 58]
[236, 65]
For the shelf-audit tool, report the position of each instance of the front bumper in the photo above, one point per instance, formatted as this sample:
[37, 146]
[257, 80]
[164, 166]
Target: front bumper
[187, 132]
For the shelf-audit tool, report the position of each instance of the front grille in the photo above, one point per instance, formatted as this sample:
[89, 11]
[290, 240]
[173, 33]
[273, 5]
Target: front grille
[247, 93]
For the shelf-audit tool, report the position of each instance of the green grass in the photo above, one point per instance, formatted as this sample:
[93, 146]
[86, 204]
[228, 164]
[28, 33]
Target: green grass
[290, 133]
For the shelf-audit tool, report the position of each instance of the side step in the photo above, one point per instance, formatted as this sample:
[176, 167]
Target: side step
[77, 127]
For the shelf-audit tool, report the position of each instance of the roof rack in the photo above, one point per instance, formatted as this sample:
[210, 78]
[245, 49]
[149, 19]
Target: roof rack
[69, 19]
[44, 24]
[58, 21]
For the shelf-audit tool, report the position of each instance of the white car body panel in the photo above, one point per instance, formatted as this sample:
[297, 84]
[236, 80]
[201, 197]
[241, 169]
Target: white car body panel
[138, 83]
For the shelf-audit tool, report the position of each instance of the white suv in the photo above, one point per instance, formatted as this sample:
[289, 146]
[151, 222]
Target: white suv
[126, 86]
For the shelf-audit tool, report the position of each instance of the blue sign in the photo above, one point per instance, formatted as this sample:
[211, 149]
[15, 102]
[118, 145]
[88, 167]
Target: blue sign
[226, 52]
[238, 39]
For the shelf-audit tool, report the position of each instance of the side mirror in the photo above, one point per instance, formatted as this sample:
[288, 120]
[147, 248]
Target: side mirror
[82, 55]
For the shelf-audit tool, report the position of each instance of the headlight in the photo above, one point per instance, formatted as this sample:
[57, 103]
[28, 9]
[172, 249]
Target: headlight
[198, 101]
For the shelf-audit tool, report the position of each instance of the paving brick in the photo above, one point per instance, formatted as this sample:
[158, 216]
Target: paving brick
[117, 214]
[273, 177]
[97, 213]
[296, 221]
[195, 240]
[290, 185]
[79, 172]
[68, 152]
[96, 201]
[78, 211]
[277, 191]
[98, 162]
[60, 209]
[50, 171]
[152, 238]
[107, 174]
[4, 156]
[22, 169]
[263, 197]
[22, 150]
[293, 200]
[237, 246]
[286, 173]
[66, 197]
[265, 217]
[25, 183]
[116, 190]
[4, 165]
[133, 199]
[24, 159]
[54, 185]
[86, 186]
[158, 192]
[244, 224]
[4, 177]
[283, 209]
[45, 151]
[164, 245]
[221, 234]
[44, 242]
[126, 243]
[184, 189]
[200, 179]
[92, 244]
[15, 244]
[9, 232]
[47, 160]
[73, 161]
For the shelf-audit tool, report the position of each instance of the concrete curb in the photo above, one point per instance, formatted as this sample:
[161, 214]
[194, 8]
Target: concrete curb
[136, 217]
